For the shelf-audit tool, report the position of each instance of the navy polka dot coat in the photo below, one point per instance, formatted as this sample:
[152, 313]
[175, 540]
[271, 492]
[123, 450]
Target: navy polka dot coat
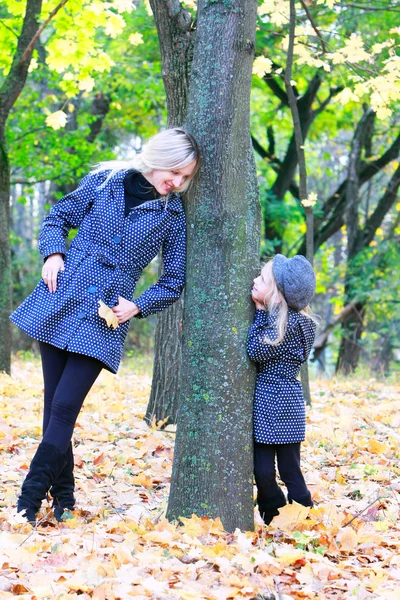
[279, 409]
[104, 261]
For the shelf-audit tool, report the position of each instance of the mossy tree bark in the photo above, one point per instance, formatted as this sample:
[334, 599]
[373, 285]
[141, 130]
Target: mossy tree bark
[213, 464]
[176, 36]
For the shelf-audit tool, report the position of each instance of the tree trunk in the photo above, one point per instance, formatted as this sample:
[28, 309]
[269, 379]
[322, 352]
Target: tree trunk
[350, 349]
[5, 257]
[213, 464]
[176, 36]
[166, 383]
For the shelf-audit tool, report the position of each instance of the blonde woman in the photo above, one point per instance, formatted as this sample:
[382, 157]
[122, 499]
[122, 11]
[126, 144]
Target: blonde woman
[126, 212]
[280, 340]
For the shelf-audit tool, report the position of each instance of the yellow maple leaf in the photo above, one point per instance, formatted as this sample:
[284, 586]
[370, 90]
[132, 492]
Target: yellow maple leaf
[377, 447]
[105, 312]
[86, 84]
[311, 200]
[57, 120]
[135, 39]
[262, 65]
[290, 516]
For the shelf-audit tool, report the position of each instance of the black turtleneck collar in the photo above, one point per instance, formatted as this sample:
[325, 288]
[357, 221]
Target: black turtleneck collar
[137, 190]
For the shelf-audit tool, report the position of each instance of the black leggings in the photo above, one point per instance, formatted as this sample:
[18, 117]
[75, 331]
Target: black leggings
[68, 378]
[270, 495]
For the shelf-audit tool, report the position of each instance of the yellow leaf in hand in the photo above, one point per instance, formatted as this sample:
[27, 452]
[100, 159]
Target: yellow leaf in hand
[106, 313]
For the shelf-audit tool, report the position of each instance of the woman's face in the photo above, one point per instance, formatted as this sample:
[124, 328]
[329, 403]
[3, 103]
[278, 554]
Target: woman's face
[263, 284]
[167, 181]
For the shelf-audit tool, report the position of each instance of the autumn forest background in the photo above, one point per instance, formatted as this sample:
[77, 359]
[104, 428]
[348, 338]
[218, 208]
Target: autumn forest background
[82, 81]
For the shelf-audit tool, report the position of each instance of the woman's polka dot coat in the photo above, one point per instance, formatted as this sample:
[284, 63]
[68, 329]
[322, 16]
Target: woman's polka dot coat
[279, 410]
[104, 261]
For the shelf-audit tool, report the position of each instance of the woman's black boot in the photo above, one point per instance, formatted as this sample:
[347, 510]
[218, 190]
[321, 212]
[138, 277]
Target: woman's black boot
[46, 465]
[303, 500]
[62, 490]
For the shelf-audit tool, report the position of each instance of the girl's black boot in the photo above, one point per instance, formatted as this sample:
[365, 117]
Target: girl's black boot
[46, 465]
[62, 490]
[268, 508]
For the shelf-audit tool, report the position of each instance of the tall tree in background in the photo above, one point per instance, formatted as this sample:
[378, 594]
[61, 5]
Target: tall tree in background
[213, 466]
[9, 92]
[176, 34]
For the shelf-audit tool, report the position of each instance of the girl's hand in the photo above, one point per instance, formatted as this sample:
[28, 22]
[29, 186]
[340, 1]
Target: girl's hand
[54, 263]
[257, 304]
[125, 310]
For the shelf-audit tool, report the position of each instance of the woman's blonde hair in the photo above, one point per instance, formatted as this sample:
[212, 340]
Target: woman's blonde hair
[166, 151]
[276, 304]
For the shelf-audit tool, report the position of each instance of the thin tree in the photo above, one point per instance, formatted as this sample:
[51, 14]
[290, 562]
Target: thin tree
[11, 88]
[301, 159]
[176, 35]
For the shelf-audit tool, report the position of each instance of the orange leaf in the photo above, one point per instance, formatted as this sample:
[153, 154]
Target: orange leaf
[98, 459]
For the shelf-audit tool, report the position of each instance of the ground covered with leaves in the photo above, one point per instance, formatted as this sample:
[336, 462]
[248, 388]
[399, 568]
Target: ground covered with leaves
[118, 545]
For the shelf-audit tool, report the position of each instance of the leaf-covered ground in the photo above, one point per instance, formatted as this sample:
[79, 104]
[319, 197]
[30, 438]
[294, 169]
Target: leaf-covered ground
[118, 545]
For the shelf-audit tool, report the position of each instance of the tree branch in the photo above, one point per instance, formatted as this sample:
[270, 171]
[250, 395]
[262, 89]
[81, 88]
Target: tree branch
[276, 89]
[313, 25]
[32, 43]
[384, 205]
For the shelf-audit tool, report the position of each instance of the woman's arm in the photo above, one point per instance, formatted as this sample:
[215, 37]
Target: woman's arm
[170, 285]
[66, 214]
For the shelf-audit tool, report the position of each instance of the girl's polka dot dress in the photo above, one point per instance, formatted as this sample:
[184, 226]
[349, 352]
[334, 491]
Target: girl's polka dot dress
[279, 410]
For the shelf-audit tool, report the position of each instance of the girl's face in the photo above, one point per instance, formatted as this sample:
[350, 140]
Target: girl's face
[167, 181]
[263, 285]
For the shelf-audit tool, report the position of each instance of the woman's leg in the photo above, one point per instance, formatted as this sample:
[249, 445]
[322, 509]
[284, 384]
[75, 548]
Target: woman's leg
[78, 376]
[269, 495]
[288, 456]
[53, 364]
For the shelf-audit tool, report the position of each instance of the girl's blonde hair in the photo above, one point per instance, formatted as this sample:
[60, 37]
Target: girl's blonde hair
[166, 151]
[276, 304]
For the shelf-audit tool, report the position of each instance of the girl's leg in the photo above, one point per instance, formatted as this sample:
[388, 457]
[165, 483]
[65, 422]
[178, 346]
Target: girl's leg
[269, 495]
[288, 456]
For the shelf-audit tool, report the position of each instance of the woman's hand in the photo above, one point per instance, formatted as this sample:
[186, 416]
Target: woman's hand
[125, 310]
[54, 263]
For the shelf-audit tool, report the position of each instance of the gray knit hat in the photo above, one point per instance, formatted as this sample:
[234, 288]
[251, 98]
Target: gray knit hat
[295, 278]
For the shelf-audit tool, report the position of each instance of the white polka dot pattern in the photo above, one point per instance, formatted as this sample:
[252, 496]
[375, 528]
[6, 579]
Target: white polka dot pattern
[279, 410]
[105, 261]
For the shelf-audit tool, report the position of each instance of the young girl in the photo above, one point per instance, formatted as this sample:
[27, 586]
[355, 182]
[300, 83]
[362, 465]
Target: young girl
[280, 340]
[126, 212]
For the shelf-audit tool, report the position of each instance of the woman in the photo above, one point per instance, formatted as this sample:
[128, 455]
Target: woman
[125, 212]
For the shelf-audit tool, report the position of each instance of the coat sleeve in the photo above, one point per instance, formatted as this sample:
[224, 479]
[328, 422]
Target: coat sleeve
[68, 213]
[170, 285]
[263, 327]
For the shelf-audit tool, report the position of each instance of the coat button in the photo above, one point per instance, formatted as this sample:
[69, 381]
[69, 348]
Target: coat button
[117, 239]
[92, 289]
[81, 315]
